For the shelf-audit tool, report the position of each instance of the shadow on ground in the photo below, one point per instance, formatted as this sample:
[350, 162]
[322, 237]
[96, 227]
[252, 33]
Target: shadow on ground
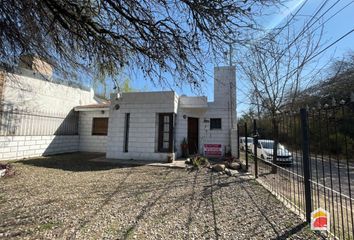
[76, 162]
[44, 202]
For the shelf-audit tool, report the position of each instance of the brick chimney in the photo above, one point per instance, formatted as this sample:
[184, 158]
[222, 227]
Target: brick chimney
[36, 64]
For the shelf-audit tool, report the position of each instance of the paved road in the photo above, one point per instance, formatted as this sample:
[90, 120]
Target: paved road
[329, 173]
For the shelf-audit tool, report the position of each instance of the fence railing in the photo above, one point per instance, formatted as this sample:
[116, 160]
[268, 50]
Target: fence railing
[313, 162]
[14, 122]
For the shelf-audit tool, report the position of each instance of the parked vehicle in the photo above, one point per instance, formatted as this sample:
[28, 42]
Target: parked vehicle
[265, 152]
[243, 143]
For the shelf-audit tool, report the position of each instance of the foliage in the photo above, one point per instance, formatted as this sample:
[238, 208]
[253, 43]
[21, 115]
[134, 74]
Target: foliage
[199, 161]
[336, 86]
[157, 37]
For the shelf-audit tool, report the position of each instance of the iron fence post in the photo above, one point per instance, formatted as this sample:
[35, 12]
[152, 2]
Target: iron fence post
[246, 147]
[306, 164]
[255, 142]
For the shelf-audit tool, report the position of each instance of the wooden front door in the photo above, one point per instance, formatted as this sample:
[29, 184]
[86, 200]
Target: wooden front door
[193, 130]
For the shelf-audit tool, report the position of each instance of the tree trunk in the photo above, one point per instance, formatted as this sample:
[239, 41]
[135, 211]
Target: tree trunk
[275, 145]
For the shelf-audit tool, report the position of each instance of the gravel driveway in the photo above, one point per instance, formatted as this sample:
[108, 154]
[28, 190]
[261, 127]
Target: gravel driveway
[67, 197]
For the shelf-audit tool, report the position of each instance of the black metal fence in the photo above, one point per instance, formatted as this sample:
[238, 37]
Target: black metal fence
[15, 122]
[313, 164]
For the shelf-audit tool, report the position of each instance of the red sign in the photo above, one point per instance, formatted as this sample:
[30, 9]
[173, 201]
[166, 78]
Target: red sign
[212, 150]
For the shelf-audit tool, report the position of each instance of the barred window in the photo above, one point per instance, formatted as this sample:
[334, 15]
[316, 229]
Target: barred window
[215, 123]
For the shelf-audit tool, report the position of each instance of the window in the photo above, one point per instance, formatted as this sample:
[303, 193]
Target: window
[215, 123]
[165, 132]
[126, 132]
[99, 126]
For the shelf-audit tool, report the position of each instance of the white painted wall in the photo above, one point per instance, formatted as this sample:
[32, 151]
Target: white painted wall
[18, 147]
[143, 108]
[89, 142]
[224, 107]
[28, 90]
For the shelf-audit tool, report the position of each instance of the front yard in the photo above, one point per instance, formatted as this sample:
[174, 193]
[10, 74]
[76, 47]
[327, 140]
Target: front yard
[65, 196]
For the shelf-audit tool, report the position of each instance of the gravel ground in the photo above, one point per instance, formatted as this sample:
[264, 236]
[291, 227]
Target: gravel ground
[67, 197]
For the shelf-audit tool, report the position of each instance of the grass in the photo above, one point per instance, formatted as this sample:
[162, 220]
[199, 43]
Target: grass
[48, 226]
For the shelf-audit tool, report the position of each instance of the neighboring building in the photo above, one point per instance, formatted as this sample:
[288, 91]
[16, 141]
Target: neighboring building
[36, 111]
[37, 118]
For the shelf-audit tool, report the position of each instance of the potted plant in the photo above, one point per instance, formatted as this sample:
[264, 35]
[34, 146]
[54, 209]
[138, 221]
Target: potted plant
[184, 147]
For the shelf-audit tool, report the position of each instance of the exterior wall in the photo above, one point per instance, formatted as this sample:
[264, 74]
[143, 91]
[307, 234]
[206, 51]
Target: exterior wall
[143, 108]
[206, 136]
[224, 107]
[89, 142]
[28, 90]
[17, 147]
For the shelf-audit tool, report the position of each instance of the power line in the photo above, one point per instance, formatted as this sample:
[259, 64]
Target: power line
[333, 15]
[291, 19]
[320, 52]
[308, 26]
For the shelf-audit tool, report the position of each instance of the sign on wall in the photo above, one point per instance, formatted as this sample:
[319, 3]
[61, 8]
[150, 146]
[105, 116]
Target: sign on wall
[213, 150]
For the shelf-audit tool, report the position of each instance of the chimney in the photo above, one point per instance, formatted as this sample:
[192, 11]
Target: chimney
[36, 64]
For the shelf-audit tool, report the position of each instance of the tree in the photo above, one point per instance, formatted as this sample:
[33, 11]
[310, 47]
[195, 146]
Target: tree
[276, 67]
[159, 37]
[337, 85]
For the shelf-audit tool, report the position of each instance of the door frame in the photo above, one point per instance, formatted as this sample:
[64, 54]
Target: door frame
[197, 137]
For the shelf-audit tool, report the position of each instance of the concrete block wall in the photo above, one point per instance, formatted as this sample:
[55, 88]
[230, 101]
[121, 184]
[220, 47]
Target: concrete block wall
[89, 142]
[206, 136]
[223, 106]
[143, 109]
[28, 90]
[18, 147]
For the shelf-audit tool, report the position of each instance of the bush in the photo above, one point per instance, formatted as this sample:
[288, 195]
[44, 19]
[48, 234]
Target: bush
[199, 161]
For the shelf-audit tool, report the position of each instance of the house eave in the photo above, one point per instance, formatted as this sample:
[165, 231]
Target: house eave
[81, 109]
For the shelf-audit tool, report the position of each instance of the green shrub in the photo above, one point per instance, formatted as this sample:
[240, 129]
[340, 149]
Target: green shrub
[199, 161]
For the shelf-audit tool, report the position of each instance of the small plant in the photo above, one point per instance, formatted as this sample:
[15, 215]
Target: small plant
[199, 161]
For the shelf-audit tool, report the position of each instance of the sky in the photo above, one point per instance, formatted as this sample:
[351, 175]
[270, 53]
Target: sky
[337, 26]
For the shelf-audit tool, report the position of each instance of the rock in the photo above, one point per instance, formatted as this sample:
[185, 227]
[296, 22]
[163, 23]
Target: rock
[233, 165]
[231, 172]
[2, 172]
[218, 167]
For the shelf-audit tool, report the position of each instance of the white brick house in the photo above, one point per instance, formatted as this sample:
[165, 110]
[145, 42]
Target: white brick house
[152, 125]
[41, 116]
